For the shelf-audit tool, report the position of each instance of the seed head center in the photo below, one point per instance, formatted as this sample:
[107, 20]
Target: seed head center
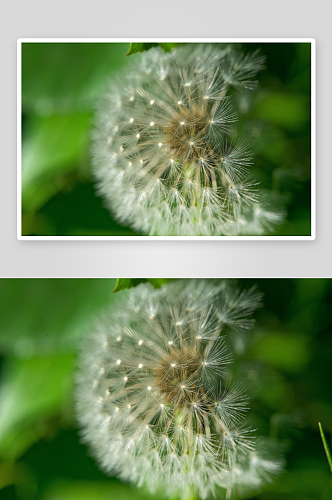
[177, 377]
[185, 133]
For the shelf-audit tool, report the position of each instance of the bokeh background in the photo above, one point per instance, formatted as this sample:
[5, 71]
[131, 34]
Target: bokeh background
[287, 371]
[61, 83]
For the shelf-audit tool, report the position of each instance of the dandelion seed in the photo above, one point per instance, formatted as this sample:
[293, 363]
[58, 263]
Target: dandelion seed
[191, 121]
[187, 435]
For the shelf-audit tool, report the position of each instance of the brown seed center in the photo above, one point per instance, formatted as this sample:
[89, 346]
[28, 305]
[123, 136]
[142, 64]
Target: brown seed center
[177, 377]
[185, 133]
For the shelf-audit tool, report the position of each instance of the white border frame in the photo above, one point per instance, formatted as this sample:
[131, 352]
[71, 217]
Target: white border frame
[312, 41]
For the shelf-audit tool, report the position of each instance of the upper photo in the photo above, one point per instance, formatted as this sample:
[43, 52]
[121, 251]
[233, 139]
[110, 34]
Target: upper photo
[169, 139]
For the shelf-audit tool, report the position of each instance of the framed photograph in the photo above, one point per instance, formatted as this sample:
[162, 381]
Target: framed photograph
[166, 138]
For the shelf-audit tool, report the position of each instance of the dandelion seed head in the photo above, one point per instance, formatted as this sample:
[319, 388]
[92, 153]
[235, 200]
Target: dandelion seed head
[178, 424]
[180, 104]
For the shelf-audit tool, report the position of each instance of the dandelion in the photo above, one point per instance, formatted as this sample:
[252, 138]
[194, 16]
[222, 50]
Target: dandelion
[167, 417]
[162, 154]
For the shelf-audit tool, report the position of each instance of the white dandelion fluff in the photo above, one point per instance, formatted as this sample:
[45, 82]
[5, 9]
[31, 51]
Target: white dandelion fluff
[161, 152]
[154, 399]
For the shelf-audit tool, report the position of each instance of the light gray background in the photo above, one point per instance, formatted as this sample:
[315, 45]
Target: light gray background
[171, 18]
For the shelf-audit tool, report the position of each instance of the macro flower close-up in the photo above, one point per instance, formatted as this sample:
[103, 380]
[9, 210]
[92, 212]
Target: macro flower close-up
[155, 397]
[162, 153]
[182, 389]
[174, 139]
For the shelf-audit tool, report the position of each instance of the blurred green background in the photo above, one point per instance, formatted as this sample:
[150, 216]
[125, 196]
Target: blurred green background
[287, 371]
[61, 83]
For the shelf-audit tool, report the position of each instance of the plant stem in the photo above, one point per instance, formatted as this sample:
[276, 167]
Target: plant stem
[326, 448]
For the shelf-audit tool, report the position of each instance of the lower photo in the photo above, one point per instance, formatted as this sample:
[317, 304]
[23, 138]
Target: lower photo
[158, 388]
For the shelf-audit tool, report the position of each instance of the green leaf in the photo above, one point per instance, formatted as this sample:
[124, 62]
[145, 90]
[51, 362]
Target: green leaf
[32, 390]
[55, 146]
[123, 283]
[158, 282]
[141, 47]
[326, 448]
[167, 47]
